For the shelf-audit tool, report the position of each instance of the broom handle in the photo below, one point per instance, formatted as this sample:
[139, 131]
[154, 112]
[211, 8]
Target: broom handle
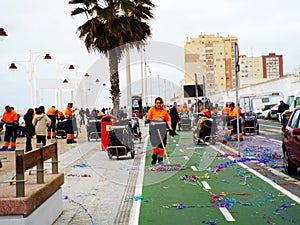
[167, 157]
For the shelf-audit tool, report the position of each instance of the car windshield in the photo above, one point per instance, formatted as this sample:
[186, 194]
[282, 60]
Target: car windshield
[290, 100]
[295, 119]
[297, 101]
[269, 106]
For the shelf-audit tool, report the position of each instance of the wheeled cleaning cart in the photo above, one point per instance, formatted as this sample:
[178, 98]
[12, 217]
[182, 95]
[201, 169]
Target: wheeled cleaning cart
[93, 128]
[120, 141]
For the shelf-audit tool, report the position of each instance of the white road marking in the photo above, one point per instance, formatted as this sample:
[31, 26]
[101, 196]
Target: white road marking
[265, 179]
[226, 214]
[205, 185]
[194, 168]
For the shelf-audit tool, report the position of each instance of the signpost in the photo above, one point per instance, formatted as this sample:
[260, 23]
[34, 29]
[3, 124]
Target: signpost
[237, 69]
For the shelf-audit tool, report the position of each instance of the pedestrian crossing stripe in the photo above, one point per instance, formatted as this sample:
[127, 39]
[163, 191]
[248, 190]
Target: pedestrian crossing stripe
[205, 185]
[186, 157]
[226, 214]
[194, 168]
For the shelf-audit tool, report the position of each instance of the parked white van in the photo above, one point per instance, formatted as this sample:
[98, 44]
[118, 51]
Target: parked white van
[293, 99]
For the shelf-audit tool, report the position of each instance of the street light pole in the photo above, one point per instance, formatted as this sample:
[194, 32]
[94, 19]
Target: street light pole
[86, 75]
[129, 98]
[146, 82]
[142, 77]
[33, 56]
[60, 69]
[158, 85]
[3, 34]
[237, 69]
[150, 84]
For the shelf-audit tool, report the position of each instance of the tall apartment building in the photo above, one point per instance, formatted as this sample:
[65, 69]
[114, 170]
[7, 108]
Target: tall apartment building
[251, 70]
[272, 66]
[211, 58]
[254, 70]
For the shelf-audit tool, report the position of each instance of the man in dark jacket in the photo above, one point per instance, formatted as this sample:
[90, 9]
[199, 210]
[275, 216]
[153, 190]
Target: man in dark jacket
[174, 118]
[282, 107]
[29, 129]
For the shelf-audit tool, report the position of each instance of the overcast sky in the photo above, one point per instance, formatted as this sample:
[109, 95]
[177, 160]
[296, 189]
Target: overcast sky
[262, 27]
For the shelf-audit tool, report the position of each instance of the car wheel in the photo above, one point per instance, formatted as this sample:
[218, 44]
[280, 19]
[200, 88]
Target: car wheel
[289, 167]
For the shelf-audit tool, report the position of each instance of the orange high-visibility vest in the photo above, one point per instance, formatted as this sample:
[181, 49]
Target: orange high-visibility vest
[51, 111]
[68, 112]
[155, 113]
[10, 118]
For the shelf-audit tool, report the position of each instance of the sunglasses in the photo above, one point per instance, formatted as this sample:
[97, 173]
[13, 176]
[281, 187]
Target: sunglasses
[158, 102]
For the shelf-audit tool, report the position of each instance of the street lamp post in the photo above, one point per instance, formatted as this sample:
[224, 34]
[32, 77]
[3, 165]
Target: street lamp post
[128, 75]
[237, 69]
[60, 69]
[149, 69]
[142, 77]
[86, 75]
[158, 84]
[146, 82]
[3, 34]
[33, 56]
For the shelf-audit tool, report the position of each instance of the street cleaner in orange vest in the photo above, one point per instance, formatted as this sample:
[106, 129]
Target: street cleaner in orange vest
[10, 119]
[207, 112]
[159, 122]
[51, 129]
[59, 115]
[233, 122]
[69, 125]
[225, 114]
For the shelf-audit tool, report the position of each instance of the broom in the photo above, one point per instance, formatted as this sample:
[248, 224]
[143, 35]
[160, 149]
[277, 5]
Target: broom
[172, 166]
[167, 157]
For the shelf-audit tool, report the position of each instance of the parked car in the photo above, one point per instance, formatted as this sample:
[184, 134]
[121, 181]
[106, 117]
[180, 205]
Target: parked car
[291, 143]
[261, 114]
[270, 113]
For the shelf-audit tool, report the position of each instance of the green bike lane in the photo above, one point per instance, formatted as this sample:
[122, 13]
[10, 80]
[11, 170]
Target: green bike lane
[212, 187]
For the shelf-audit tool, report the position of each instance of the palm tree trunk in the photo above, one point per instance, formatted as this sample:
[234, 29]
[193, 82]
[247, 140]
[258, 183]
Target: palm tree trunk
[114, 80]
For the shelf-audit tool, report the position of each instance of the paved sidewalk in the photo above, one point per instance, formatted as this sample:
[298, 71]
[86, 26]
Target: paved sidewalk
[95, 187]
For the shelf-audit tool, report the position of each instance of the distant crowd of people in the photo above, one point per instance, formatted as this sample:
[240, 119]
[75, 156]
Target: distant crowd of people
[42, 124]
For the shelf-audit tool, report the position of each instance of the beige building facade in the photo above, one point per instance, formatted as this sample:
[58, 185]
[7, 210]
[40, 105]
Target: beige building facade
[211, 59]
[254, 70]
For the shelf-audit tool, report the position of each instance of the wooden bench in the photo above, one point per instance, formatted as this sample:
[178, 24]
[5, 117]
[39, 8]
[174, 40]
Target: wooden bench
[31, 191]
[28, 160]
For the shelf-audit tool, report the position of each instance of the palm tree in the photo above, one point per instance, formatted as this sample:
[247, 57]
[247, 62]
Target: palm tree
[112, 26]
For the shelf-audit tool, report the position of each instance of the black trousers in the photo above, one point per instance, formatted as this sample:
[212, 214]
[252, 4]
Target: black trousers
[173, 125]
[41, 138]
[28, 143]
